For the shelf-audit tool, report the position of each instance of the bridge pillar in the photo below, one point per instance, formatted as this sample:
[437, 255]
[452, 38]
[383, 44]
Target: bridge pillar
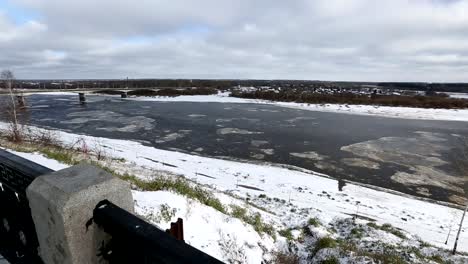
[21, 101]
[82, 97]
[62, 206]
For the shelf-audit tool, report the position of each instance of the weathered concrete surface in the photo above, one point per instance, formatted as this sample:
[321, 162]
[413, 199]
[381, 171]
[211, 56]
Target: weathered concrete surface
[61, 205]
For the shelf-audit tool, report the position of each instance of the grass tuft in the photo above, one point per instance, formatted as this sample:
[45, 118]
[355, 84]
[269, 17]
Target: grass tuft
[178, 185]
[255, 220]
[388, 228]
[60, 155]
[324, 242]
[332, 260]
[313, 221]
[287, 234]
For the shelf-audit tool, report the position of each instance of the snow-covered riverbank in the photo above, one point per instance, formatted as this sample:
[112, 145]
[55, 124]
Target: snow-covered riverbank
[384, 111]
[290, 197]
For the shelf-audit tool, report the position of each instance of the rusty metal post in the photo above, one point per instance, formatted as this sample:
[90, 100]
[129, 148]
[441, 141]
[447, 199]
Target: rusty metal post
[177, 229]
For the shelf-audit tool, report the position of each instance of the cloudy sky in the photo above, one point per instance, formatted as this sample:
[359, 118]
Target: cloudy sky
[368, 40]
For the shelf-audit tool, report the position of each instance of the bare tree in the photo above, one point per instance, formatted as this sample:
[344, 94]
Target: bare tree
[461, 163]
[8, 79]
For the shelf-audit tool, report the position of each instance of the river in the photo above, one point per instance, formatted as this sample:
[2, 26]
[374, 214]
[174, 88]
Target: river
[412, 156]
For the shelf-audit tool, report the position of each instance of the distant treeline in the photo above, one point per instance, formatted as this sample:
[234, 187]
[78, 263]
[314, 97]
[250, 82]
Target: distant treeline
[227, 84]
[350, 98]
[121, 84]
[436, 87]
[165, 92]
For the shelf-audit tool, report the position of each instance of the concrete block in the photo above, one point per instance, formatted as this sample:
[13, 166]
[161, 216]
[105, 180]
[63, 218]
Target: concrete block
[61, 205]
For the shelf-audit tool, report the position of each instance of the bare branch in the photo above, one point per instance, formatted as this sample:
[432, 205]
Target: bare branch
[8, 79]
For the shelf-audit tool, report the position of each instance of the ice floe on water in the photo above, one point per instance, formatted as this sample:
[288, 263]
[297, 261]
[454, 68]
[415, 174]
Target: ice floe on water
[312, 155]
[257, 156]
[421, 154]
[225, 120]
[114, 122]
[363, 163]
[423, 175]
[38, 106]
[78, 120]
[127, 129]
[173, 136]
[269, 110]
[300, 118]
[328, 166]
[130, 125]
[268, 151]
[258, 143]
[229, 130]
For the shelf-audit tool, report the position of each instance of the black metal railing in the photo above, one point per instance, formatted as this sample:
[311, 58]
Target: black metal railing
[18, 239]
[132, 240]
[135, 241]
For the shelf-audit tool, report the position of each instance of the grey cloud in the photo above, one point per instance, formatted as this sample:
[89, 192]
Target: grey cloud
[393, 40]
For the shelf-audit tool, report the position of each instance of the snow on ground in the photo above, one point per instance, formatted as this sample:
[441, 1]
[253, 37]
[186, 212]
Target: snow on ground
[386, 111]
[458, 95]
[305, 191]
[204, 227]
[40, 159]
[51, 93]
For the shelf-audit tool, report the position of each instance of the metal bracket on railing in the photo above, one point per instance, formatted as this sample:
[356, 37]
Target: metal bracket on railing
[177, 229]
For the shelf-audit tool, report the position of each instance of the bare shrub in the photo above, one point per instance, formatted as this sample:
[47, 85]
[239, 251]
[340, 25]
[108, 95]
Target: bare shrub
[232, 251]
[282, 257]
[98, 150]
[80, 145]
[42, 137]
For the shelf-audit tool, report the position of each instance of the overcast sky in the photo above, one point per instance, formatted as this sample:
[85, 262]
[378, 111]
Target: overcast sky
[355, 40]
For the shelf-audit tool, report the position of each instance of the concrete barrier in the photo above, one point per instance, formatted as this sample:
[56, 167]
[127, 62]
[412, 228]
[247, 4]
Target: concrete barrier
[62, 206]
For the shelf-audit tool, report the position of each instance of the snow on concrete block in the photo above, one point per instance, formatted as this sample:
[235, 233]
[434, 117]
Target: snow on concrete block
[62, 204]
